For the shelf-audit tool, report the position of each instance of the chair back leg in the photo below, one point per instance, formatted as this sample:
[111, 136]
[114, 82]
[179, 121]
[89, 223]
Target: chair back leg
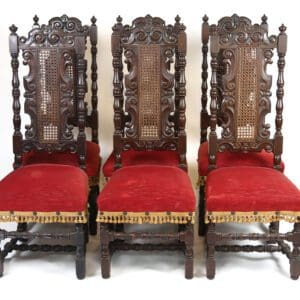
[295, 257]
[80, 241]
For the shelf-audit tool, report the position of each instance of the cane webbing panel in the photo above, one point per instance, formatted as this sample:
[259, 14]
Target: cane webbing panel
[247, 94]
[149, 75]
[71, 75]
[48, 95]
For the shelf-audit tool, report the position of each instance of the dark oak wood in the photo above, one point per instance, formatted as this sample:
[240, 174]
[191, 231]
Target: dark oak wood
[149, 114]
[240, 53]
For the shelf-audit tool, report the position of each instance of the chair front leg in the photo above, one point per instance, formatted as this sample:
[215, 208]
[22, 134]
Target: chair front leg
[201, 212]
[93, 209]
[273, 229]
[189, 251]
[105, 256]
[295, 257]
[1, 255]
[211, 242]
[80, 241]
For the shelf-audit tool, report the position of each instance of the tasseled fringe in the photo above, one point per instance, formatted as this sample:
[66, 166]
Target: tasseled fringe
[201, 181]
[252, 217]
[150, 218]
[44, 217]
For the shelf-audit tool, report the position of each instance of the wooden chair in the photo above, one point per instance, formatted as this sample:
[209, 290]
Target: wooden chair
[226, 158]
[151, 119]
[72, 27]
[248, 193]
[44, 192]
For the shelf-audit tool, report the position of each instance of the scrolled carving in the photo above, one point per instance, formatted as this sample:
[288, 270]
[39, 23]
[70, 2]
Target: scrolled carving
[149, 30]
[50, 54]
[239, 30]
[245, 50]
[149, 119]
[48, 106]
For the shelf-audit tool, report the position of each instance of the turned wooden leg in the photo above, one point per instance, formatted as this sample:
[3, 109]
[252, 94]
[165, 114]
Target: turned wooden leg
[273, 228]
[210, 244]
[119, 227]
[1, 264]
[22, 227]
[80, 250]
[181, 227]
[295, 257]
[93, 209]
[86, 233]
[1, 256]
[201, 212]
[105, 256]
[189, 252]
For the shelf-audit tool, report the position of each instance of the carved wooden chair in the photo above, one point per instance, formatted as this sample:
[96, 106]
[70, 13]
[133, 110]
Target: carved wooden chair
[248, 193]
[47, 193]
[72, 27]
[150, 119]
[226, 158]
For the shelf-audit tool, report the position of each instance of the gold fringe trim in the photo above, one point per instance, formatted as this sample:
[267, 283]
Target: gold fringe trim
[201, 181]
[94, 180]
[145, 217]
[252, 217]
[43, 217]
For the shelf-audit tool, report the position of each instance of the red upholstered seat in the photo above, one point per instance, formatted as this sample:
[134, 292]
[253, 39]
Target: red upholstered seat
[250, 189]
[43, 188]
[148, 188]
[132, 157]
[93, 160]
[232, 159]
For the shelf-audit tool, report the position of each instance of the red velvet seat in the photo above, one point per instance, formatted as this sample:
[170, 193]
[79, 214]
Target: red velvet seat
[44, 193]
[93, 160]
[232, 159]
[132, 158]
[147, 189]
[252, 190]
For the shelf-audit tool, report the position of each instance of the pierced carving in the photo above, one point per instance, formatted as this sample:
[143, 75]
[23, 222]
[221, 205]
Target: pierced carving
[243, 53]
[147, 119]
[49, 88]
[48, 98]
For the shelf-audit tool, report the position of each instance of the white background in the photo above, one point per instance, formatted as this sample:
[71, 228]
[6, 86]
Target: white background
[145, 275]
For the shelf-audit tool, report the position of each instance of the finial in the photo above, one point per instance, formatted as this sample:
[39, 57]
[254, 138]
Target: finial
[282, 28]
[13, 28]
[64, 18]
[119, 19]
[205, 18]
[36, 20]
[177, 19]
[264, 19]
[93, 20]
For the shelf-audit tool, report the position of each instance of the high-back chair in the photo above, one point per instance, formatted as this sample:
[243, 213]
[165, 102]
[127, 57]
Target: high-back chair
[151, 118]
[248, 193]
[45, 192]
[226, 158]
[71, 28]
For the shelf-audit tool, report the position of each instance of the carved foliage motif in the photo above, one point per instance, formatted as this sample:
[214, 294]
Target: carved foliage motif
[245, 50]
[59, 30]
[149, 49]
[48, 89]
